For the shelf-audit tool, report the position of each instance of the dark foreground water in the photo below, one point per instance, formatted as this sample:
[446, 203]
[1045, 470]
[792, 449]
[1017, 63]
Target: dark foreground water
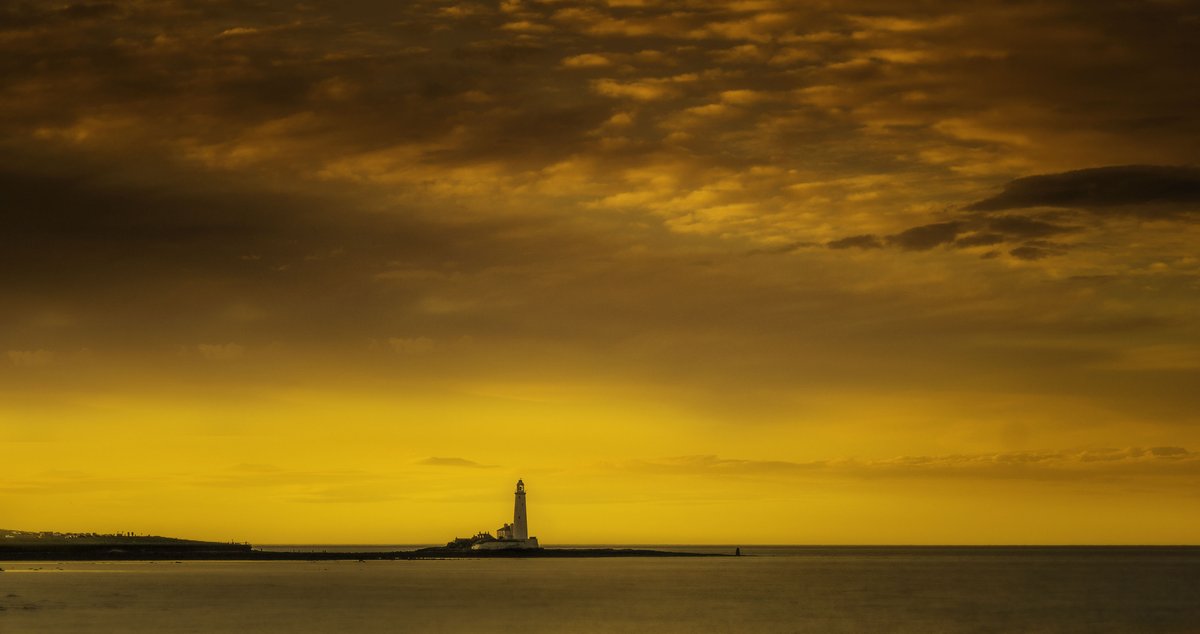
[778, 590]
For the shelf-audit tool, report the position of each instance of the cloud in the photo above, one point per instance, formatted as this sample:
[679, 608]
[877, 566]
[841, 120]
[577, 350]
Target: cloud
[239, 31]
[864, 241]
[974, 232]
[24, 14]
[1025, 227]
[651, 89]
[926, 237]
[1115, 187]
[980, 240]
[586, 60]
[175, 174]
[454, 462]
[1032, 252]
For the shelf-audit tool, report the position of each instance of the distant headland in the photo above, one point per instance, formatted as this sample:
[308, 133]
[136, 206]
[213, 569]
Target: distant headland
[47, 545]
[511, 540]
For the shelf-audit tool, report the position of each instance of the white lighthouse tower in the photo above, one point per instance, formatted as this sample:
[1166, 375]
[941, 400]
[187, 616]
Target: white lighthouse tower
[520, 519]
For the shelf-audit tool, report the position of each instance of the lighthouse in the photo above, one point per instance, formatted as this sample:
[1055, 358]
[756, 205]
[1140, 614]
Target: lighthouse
[520, 519]
[509, 536]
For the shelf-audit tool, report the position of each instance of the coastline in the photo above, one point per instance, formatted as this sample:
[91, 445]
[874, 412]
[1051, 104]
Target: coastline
[243, 552]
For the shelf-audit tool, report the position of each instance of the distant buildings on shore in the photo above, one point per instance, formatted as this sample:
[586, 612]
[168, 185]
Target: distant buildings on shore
[11, 534]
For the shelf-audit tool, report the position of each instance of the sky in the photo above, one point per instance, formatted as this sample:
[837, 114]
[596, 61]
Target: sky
[699, 271]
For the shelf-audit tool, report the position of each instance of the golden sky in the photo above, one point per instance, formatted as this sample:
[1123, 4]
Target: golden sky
[756, 271]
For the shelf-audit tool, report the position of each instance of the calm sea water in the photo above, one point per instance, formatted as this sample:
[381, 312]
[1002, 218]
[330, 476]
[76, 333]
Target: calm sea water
[782, 589]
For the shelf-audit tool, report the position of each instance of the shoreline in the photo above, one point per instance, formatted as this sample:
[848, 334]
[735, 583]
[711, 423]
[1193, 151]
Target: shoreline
[243, 552]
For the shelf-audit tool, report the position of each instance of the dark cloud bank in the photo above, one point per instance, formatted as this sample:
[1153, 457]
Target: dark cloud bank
[1155, 191]
[1147, 188]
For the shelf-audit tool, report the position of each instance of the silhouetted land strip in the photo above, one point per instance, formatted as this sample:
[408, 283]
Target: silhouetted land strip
[40, 546]
[209, 551]
[242, 552]
[25, 546]
[46, 546]
[994, 551]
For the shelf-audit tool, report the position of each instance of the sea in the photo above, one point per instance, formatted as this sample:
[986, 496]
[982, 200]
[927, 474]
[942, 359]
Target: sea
[767, 589]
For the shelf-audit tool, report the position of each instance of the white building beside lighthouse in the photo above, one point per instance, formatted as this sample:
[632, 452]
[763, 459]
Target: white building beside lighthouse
[515, 535]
